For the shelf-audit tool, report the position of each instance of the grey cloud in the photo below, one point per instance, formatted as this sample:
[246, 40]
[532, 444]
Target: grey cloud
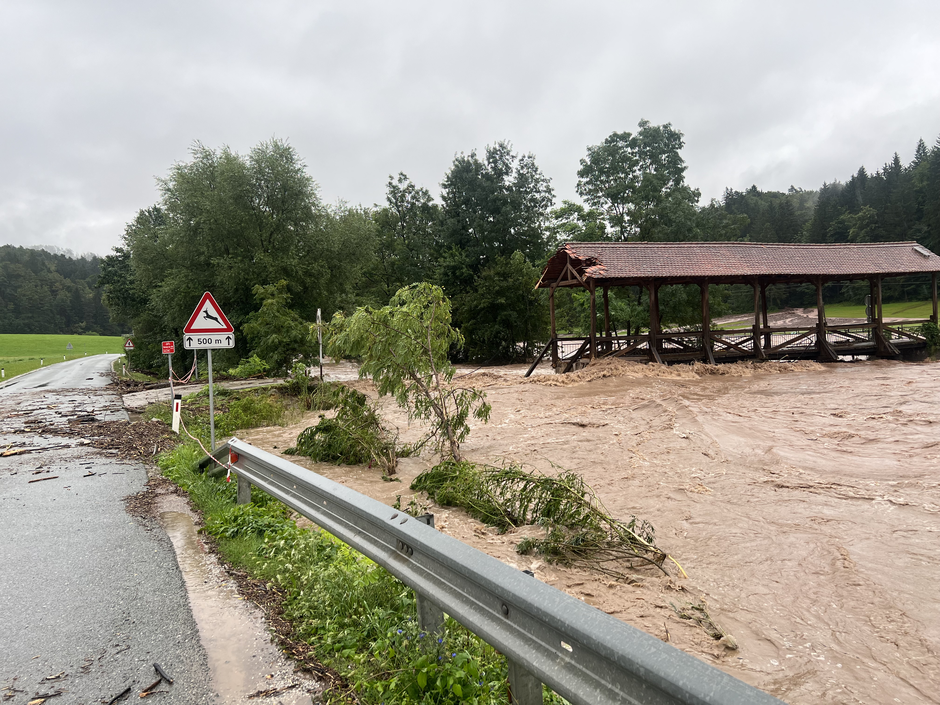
[101, 97]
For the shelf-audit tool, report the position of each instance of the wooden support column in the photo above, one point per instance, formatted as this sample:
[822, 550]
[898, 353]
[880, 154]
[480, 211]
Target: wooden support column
[593, 321]
[758, 350]
[552, 332]
[608, 346]
[884, 346]
[764, 317]
[706, 325]
[823, 349]
[933, 316]
[655, 329]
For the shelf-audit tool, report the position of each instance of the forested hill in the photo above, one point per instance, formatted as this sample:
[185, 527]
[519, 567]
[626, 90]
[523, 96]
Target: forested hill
[896, 202]
[41, 292]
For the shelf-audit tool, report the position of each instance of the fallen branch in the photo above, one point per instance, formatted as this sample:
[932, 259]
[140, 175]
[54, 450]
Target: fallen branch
[150, 688]
[163, 675]
[119, 695]
[270, 691]
[43, 479]
[22, 451]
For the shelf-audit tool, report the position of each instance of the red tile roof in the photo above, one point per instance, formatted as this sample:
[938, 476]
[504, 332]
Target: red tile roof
[737, 261]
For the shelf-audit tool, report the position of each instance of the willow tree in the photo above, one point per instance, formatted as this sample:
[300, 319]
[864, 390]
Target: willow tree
[403, 347]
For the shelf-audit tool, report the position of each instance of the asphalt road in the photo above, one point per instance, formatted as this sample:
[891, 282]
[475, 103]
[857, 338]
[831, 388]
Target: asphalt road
[90, 597]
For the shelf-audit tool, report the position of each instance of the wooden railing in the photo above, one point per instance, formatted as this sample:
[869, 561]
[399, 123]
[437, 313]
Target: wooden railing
[756, 342]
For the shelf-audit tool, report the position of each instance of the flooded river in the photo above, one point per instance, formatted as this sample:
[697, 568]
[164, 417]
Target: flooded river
[803, 502]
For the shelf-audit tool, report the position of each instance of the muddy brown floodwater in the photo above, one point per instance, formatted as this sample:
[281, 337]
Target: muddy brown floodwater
[802, 500]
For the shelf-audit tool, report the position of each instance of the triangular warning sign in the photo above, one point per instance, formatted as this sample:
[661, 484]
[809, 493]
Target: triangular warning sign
[208, 318]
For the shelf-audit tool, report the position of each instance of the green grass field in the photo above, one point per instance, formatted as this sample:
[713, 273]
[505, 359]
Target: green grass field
[900, 309]
[22, 353]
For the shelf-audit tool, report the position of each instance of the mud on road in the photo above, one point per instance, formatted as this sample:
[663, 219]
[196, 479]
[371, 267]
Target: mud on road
[802, 500]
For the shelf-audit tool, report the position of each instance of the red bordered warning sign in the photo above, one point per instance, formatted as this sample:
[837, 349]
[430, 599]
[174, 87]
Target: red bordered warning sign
[208, 318]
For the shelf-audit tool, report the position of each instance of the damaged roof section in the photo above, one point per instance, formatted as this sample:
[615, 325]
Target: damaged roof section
[625, 263]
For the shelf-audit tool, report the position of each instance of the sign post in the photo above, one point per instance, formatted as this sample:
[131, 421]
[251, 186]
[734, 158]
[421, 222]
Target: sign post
[208, 329]
[128, 346]
[320, 339]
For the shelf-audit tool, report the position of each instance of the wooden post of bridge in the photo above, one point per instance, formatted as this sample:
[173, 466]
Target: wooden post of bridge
[758, 350]
[655, 329]
[933, 316]
[884, 346]
[706, 325]
[768, 342]
[824, 350]
[608, 345]
[554, 335]
[593, 321]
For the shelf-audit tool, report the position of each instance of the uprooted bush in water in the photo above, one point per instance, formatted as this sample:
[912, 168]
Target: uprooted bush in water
[578, 529]
[355, 435]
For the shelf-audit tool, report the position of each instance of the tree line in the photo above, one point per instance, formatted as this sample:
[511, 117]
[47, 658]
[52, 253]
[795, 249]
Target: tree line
[44, 292]
[253, 230]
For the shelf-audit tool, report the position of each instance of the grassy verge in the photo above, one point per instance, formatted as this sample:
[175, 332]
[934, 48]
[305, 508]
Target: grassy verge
[24, 353]
[899, 309]
[358, 618]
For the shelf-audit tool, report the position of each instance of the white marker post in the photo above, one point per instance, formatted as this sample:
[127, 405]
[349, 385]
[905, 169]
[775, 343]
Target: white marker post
[177, 410]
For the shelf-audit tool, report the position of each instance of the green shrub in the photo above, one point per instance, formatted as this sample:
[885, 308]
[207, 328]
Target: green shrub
[931, 331]
[355, 436]
[253, 366]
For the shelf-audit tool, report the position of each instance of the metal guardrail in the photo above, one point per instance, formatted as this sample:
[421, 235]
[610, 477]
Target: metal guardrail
[548, 637]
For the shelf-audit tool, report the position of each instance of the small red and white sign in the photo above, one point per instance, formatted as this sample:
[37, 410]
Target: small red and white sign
[169, 347]
[128, 344]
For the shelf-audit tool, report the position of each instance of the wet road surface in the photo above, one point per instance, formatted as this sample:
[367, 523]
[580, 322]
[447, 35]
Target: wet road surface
[90, 597]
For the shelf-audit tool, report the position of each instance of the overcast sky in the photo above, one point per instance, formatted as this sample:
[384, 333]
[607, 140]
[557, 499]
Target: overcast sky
[99, 98]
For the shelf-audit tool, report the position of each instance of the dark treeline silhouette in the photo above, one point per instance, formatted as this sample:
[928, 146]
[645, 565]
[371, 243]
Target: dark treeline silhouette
[895, 203]
[41, 292]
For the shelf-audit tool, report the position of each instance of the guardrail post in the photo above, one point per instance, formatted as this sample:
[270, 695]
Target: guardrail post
[430, 616]
[244, 490]
[524, 688]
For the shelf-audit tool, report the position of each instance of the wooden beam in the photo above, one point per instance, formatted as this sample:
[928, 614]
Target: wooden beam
[933, 316]
[766, 320]
[606, 311]
[706, 325]
[593, 322]
[655, 328]
[538, 359]
[553, 331]
[824, 350]
[758, 350]
[885, 348]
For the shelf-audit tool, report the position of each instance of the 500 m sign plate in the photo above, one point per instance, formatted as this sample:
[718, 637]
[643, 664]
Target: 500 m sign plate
[208, 342]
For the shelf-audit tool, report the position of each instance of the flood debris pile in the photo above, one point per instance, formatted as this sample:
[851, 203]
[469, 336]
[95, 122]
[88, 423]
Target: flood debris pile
[578, 530]
[697, 613]
[354, 436]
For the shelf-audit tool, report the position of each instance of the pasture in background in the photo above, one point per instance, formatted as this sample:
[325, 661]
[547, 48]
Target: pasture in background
[22, 353]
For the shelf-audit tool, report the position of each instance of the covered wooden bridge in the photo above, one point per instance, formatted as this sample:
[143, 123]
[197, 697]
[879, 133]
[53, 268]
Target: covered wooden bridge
[599, 266]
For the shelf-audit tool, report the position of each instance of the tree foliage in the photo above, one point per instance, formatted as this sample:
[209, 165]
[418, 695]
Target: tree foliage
[638, 182]
[227, 223]
[43, 292]
[276, 333]
[406, 233]
[492, 209]
[403, 347]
